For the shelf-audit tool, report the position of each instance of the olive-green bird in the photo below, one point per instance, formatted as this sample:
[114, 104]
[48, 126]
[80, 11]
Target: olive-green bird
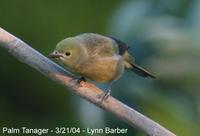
[96, 57]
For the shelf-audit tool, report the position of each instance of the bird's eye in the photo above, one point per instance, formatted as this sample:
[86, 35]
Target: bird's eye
[67, 53]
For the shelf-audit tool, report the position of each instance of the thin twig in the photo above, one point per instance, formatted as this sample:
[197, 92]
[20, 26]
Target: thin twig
[88, 91]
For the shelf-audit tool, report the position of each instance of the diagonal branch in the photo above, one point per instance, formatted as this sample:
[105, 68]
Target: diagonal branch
[88, 91]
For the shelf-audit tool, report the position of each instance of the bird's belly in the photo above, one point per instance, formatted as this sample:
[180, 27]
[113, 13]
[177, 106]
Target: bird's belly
[103, 70]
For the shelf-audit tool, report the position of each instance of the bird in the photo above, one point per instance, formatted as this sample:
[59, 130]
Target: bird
[96, 57]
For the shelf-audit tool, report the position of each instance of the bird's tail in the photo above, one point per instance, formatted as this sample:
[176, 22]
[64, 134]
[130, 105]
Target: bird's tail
[141, 71]
[129, 64]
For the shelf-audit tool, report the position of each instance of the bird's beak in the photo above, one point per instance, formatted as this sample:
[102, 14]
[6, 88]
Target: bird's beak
[55, 54]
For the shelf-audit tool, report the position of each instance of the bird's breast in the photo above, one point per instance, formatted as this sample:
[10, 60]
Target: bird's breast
[102, 69]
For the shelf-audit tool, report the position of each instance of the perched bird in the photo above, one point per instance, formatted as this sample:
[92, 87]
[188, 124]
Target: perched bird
[97, 57]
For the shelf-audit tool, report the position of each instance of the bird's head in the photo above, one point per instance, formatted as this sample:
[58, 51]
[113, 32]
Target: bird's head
[70, 52]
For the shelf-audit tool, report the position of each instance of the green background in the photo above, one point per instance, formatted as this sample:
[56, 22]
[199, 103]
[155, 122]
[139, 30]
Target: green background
[164, 37]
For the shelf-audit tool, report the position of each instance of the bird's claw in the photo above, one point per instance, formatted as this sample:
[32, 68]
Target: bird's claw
[80, 80]
[77, 82]
[103, 97]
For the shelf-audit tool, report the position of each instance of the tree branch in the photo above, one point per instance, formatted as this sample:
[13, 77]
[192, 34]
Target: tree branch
[88, 91]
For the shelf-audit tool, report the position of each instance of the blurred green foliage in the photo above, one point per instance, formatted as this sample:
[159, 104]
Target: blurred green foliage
[164, 38]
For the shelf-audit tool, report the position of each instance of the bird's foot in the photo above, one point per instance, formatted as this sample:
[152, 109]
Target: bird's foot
[81, 79]
[78, 81]
[103, 97]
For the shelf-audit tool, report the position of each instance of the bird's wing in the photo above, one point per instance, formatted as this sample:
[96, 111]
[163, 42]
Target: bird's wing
[98, 45]
[123, 47]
